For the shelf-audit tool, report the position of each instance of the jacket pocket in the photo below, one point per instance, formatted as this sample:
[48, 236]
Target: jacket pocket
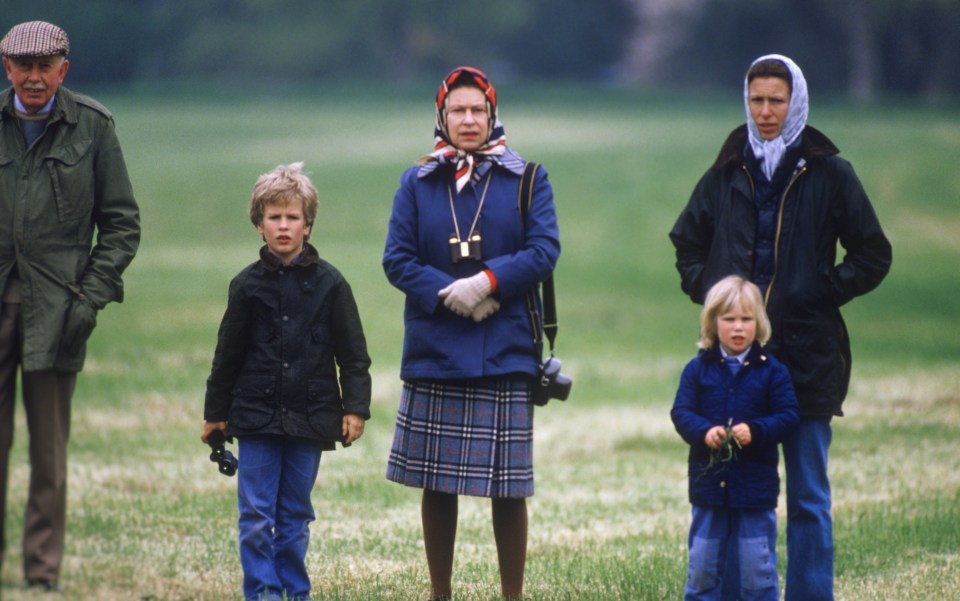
[812, 352]
[71, 175]
[324, 409]
[253, 401]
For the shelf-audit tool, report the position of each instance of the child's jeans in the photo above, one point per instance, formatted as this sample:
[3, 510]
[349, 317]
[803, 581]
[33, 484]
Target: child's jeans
[753, 534]
[274, 479]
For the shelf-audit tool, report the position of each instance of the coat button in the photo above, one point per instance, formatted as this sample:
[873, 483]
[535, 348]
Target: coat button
[286, 318]
[723, 485]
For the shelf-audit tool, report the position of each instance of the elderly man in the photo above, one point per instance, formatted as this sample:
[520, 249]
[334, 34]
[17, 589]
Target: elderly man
[62, 178]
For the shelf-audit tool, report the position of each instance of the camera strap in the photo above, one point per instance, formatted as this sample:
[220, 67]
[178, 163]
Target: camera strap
[548, 324]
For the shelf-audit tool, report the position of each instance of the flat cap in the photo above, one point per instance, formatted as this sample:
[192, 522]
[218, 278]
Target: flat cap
[35, 38]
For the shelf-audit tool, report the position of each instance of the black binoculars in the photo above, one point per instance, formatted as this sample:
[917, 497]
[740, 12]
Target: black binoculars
[226, 462]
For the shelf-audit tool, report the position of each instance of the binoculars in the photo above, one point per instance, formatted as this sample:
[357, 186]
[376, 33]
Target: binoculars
[226, 462]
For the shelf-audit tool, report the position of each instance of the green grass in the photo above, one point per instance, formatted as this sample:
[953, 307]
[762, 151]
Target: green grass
[150, 517]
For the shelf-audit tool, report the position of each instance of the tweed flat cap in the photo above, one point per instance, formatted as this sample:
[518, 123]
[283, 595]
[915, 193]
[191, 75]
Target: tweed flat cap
[35, 38]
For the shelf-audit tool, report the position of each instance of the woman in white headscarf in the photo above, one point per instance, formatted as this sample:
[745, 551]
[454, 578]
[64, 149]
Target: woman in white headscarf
[773, 208]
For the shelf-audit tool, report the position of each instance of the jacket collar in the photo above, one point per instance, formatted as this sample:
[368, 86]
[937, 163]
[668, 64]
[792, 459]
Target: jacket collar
[814, 144]
[272, 262]
[64, 105]
[755, 356]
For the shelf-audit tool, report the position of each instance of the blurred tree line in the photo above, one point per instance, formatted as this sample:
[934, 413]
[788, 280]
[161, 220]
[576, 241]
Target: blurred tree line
[860, 47]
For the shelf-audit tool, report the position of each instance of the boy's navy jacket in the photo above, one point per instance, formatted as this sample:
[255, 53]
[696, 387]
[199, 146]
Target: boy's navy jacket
[760, 395]
[285, 332]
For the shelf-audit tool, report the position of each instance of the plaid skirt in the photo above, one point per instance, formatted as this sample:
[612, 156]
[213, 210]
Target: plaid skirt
[466, 438]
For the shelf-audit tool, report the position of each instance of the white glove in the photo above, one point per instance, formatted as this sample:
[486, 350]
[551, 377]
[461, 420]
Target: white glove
[463, 295]
[485, 309]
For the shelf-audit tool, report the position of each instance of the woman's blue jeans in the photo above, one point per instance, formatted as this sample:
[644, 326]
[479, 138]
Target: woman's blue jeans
[275, 477]
[809, 524]
[749, 534]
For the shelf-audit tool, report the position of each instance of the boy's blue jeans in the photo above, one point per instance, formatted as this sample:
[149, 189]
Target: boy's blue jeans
[274, 479]
[751, 534]
[809, 524]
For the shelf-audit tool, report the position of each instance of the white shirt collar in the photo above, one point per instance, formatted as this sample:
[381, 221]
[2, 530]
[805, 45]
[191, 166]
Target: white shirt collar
[19, 105]
[741, 357]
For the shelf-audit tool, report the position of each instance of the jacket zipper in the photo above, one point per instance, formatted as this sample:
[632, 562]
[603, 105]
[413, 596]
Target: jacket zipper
[776, 240]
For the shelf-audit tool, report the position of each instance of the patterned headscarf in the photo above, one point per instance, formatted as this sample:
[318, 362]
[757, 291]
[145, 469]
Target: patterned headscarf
[444, 152]
[770, 152]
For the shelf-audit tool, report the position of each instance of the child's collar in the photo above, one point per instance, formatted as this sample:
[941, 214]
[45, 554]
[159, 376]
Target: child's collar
[308, 256]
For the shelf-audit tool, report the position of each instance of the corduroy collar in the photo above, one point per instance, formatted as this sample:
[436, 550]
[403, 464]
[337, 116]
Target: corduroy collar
[309, 256]
[814, 143]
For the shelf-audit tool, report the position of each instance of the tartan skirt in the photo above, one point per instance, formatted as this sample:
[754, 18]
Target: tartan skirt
[466, 438]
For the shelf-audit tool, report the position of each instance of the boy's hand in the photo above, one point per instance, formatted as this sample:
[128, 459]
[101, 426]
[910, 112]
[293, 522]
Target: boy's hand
[715, 436]
[352, 428]
[209, 427]
[741, 432]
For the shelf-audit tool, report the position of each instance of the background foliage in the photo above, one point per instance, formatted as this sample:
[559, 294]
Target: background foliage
[859, 47]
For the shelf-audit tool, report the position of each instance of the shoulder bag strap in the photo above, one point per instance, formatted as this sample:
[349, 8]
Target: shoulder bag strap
[549, 323]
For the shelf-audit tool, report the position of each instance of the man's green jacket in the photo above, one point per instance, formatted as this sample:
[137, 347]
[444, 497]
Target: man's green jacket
[69, 225]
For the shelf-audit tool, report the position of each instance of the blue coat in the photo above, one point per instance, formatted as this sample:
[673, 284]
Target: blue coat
[760, 395]
[438, 344]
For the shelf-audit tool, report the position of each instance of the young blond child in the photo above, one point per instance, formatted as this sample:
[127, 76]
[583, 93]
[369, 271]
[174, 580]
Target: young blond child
[734, 404]
[291, 320]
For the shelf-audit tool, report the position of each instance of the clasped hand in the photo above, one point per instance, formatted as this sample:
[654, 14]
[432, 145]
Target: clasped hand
[470, 297]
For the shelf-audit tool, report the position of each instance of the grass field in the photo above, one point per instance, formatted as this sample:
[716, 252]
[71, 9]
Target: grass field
[150, 518]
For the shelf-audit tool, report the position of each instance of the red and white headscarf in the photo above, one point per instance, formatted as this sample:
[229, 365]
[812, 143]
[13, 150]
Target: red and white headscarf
[444, 152]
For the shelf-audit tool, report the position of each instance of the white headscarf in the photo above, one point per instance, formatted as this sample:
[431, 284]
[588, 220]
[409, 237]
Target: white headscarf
[770, 152]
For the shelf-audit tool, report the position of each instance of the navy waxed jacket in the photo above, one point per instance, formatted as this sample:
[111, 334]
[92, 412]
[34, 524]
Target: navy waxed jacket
[438, 344]
[760, 395]
[285, 333]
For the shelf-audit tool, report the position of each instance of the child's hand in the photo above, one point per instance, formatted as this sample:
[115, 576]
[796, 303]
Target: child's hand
[352, 428]
[741, 432]
[715, 436]
[209, 427]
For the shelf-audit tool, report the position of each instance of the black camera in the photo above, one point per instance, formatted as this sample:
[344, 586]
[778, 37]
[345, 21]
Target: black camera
[551, 384]
[226, 462]
[465, 250]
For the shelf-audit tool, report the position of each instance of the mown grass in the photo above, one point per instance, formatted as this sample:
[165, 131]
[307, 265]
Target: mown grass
[150, 518]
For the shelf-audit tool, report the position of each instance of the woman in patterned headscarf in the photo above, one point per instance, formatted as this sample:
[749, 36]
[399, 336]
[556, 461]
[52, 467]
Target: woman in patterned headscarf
[469, 266]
